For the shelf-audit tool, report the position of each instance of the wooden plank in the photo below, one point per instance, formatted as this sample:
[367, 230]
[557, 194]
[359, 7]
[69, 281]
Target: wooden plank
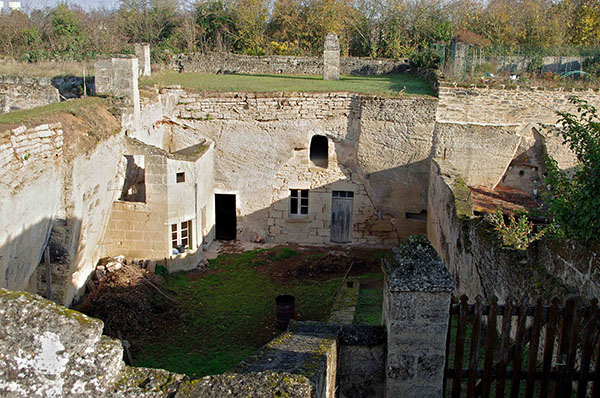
[490, 342]
[474, 351]
[504, 344]
[460, 347]
[549, 347]
[572, 348]
[596, 385]
[587, 348]
[48, 273]
[448, 340]
[519, 344]
[533, 348]
[559, 388]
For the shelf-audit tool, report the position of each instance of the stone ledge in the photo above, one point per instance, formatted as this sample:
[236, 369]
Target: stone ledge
[416, 267]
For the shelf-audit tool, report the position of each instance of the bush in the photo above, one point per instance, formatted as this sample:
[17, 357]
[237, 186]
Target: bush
[573, 202]
[425, 58]
[592, 66]
[518, 233]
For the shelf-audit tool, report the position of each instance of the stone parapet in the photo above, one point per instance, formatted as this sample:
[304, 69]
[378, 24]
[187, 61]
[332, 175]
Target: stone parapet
[26, 93]
[417, 289]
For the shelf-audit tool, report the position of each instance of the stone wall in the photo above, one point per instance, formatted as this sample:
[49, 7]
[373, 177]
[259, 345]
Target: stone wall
[279, 64]
[416, 298]
[506, 106]
[47, 350]
[361, 365]
[26, 93]
[263, 150]
[57, 188]
[519, 64]
[476, 259]
[31, 196]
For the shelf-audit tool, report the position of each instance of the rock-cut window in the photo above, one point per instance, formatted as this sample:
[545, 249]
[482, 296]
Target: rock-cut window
[319, 151]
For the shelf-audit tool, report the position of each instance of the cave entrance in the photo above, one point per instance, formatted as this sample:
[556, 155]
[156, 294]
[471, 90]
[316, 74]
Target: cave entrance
[225, 216]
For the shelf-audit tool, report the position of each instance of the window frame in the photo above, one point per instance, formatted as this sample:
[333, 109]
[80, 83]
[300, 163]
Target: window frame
[299, 200]
[178, 178]
[178, 230]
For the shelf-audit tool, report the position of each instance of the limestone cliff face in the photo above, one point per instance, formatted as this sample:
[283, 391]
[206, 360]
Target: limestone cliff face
[57, 184]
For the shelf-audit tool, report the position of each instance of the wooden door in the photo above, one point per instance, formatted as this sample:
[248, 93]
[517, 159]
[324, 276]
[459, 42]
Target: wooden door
[341, 216]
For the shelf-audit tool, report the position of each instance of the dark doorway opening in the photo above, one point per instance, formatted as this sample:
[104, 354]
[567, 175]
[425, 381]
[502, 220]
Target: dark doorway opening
[225, 218]
[319, 151]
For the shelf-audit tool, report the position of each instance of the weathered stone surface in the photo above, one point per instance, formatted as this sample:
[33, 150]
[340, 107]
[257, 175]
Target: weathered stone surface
[26, 93]
[481, 154]
[331, 57]
[361, 371]
[49, 351]
[362, 335]
[287, 65]
[416, 267]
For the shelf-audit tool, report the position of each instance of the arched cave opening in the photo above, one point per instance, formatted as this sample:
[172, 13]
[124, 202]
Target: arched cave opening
[319, 150]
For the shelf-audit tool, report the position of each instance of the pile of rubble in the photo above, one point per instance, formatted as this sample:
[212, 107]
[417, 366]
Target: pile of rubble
[109, 265]
[124, 294]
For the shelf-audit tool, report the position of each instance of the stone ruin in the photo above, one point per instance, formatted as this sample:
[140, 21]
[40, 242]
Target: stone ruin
[331, 57]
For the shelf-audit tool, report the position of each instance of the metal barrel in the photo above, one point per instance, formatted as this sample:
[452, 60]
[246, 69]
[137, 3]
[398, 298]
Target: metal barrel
[285, 309]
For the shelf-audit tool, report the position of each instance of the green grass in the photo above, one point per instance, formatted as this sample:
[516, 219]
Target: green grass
[25, 115]
[386, 85]
[370, 301]
[227, 315]
[284, 253]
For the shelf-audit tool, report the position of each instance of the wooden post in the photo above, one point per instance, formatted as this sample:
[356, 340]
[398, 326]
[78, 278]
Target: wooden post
[48, 273]
[84, 87]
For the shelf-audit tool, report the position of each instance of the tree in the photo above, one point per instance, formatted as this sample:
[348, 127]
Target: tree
[150, 21]
[573, 202]
[217, 27]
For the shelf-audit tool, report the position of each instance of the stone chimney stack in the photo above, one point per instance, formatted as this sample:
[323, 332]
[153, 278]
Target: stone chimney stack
[142, 52]
[331, 57]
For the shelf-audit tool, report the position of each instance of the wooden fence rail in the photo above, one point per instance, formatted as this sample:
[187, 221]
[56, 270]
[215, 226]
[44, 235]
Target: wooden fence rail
[518, 350]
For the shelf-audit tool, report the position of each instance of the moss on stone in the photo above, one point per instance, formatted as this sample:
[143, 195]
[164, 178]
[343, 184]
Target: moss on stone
[462, 198]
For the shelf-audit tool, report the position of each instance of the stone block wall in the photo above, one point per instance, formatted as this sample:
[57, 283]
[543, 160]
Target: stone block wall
[24, 145]
[378, 149]
[280, 64]
[416, 302]
[139, 230]
[506, 106]
[26, 93]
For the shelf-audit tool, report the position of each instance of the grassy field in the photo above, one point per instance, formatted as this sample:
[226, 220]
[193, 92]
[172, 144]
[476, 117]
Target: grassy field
[71, 106]
[227, 314]
[386, 85]
[370, 300]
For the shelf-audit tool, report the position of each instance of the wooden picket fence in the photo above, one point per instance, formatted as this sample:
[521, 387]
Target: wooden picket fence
[518, 350]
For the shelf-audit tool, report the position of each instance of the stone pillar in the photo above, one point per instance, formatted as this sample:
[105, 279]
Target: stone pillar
[142, 52]
[416, 301]
[331, 57]
[118, 76]
[458, 59]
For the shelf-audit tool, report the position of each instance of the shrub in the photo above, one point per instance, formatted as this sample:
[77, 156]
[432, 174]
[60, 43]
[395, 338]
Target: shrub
[517, 233]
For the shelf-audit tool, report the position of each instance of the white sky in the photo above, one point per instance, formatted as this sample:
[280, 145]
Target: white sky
[33, 4]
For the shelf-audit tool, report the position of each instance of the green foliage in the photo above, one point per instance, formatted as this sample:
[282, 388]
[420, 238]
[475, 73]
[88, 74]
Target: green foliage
[426, 58]
[368, 307]
[517, 233]
[592, 66]
[573, 200]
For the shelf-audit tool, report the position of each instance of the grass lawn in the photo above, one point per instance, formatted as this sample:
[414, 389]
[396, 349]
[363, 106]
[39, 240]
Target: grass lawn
[226, 314]
[385, 85]
[71, 106]
[370, 300]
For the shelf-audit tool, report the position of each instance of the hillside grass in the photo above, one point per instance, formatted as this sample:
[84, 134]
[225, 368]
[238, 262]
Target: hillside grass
[27, 115]
[383, 85]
